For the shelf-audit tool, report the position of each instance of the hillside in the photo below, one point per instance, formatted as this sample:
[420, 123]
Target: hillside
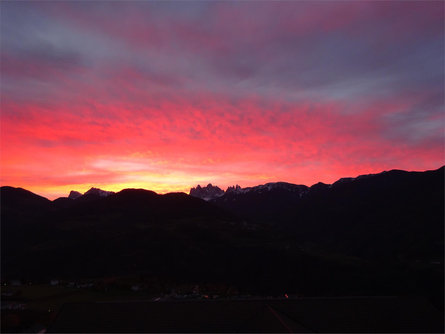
[373, 235]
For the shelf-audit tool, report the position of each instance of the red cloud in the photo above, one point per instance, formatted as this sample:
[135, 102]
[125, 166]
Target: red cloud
[226, 93]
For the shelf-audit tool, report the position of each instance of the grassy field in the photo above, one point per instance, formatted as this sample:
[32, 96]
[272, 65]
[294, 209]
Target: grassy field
[300, 315]
[60, 307]
[42, 302]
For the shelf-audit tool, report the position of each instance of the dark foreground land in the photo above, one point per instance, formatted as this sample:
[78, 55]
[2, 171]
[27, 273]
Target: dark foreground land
[307, 315]
[374, 235]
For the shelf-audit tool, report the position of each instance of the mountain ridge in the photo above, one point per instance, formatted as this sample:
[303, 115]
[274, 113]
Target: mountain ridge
[233, 189]
[302, 189]
[381, 234]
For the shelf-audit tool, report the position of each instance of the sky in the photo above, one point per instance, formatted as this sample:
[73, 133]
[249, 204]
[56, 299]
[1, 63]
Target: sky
[168, 95]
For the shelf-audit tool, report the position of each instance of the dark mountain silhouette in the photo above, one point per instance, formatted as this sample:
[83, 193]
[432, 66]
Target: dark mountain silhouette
[392, 196]
[394, 214]
[264, 203]
[18, 199]
[63, 202]
[93, 235]
[91, 195]
[372, 235]
[74, 194]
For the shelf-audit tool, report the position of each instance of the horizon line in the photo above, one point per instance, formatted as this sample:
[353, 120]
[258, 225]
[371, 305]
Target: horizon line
[183, 192]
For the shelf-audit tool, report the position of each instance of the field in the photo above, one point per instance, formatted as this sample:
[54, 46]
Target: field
[35, 306]
[341, 315]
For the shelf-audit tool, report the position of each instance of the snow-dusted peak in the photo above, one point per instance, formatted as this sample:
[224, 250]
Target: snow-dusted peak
[282, 186]
[99, 192]
[345, 180]
[267, 187]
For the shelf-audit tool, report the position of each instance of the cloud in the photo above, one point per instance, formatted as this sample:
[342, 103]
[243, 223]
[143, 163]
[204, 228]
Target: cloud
[229, 92]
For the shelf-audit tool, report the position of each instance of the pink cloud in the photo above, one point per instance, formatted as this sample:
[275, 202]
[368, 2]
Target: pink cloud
[223, 93]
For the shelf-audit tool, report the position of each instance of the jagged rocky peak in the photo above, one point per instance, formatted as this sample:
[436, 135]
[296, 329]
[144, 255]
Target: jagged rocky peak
[99, 192]
[74, 194]
[206, 193]
[233, 189]
[212, 192]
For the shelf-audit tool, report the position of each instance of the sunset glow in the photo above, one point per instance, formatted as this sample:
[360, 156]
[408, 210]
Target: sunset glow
[167, 95]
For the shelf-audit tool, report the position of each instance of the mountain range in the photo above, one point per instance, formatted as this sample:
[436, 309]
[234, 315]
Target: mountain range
[374, 234]
[93, 191]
